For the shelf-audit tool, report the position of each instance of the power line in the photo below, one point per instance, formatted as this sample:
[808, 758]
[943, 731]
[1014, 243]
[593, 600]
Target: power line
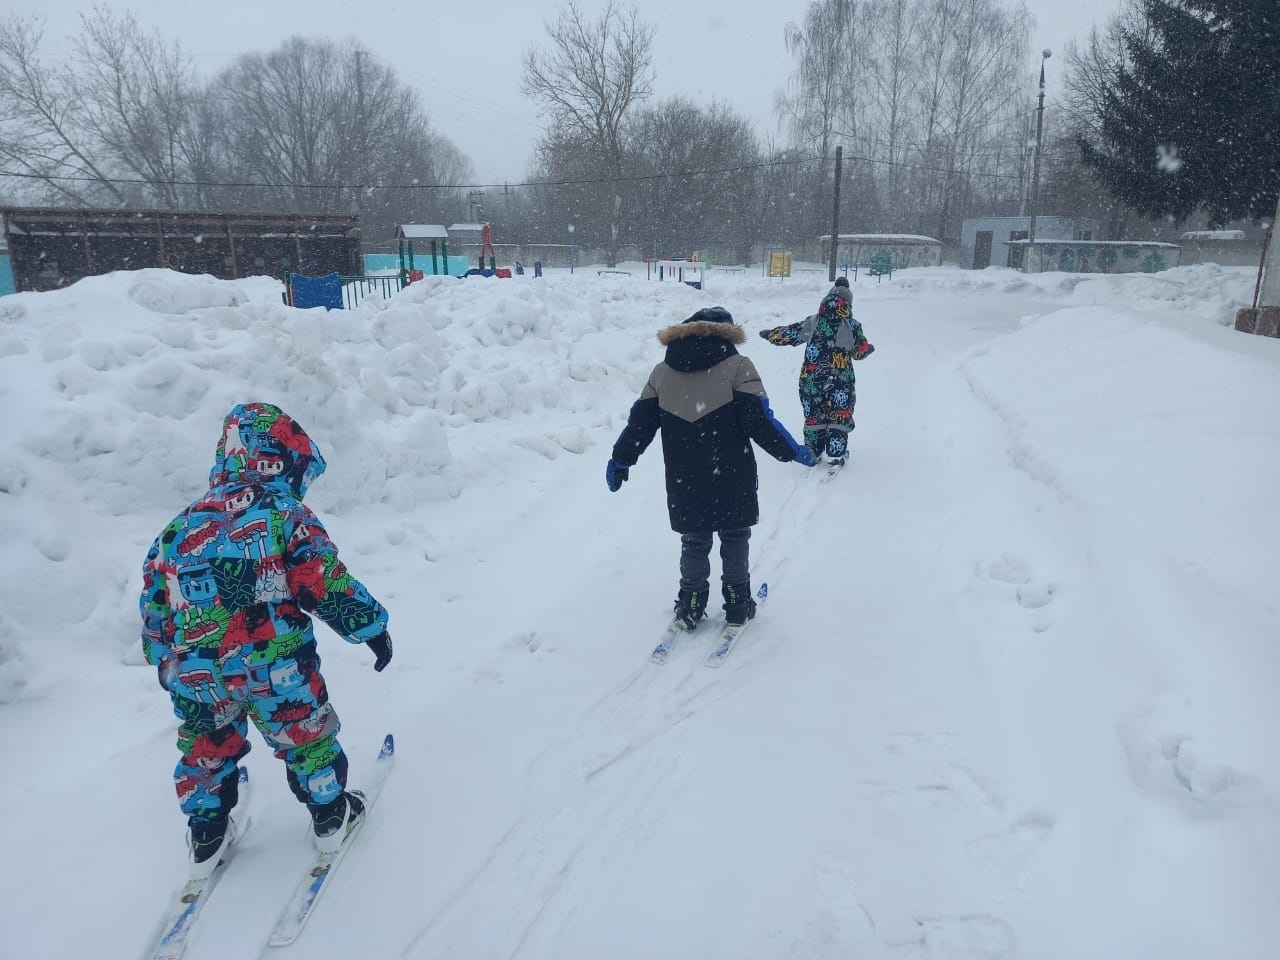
[582, 181]
[411, 186]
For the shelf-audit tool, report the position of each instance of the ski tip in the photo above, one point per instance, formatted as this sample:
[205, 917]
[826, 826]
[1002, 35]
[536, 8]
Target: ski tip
[763, 591]
[388, 746]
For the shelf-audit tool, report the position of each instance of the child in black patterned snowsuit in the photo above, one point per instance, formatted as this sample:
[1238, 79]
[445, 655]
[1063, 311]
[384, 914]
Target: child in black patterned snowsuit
[833, 340]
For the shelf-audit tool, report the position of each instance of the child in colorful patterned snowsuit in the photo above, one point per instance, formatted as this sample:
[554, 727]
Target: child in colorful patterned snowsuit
[833, 339]
[709, 404]
[226, 590]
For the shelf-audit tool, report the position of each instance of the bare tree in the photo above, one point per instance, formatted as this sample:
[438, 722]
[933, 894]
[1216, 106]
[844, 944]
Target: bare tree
[330, 130]
[1091, 68]
[893, 50]
[594, 73]
[984, 79]
[823, 101]
[702, 184]
[43, 134]
[138, 94]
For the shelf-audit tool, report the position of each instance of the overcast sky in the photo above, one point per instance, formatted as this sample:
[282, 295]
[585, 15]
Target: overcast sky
[466, 61]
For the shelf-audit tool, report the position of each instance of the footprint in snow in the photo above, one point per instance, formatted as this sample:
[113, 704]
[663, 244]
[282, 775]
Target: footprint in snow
[1010, 568]
[1175, 767]
[977, 936]
[1013, 847]
[843, 926]
[1032, 592]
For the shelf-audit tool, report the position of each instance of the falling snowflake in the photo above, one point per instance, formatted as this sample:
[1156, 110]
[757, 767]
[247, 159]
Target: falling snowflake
[1167, 159]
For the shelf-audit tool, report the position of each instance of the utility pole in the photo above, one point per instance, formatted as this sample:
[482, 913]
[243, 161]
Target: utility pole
[1035, 173]
[835, 220]
[359, 129]
[1268, 287]
[1264, 317]
[360, 92]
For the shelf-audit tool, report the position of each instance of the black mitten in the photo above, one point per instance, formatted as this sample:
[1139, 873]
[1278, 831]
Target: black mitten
[381, 647]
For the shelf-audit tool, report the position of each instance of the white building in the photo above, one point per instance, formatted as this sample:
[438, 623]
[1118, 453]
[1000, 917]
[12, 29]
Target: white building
[984, 241]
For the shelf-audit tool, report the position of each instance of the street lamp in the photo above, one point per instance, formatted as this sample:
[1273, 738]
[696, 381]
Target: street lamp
[1035, 174]
[573, 251]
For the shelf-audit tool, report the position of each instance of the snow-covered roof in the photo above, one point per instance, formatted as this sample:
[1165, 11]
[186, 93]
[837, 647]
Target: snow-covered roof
[884, 238]
[1213, 235]
[1047, 241]
[465, 227]
[423, 231]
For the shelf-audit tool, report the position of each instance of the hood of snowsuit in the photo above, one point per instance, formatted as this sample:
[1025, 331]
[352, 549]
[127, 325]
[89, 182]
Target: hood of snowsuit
[261, 444]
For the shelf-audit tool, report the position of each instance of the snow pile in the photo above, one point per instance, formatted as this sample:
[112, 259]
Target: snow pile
[120, 384]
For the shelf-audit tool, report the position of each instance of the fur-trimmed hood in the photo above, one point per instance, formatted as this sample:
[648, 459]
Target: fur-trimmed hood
[702, 328]
[700, 344]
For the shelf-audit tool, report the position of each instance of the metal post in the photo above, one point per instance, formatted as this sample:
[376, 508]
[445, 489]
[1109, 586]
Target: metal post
[1035, 173]
[835, 220]
[1267, 291]
[573, 251]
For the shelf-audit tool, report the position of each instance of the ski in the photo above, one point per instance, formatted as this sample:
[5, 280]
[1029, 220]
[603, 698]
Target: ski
[834, 469]
[731, 632]
[191, 900]
[313, 884]
[674, 631]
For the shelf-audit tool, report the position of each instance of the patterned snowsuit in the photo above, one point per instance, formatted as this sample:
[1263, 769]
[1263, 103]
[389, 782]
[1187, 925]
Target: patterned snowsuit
[833, 339]
[226, 587]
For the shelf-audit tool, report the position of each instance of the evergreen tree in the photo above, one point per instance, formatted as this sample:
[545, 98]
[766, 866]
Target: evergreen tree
[1193, 121]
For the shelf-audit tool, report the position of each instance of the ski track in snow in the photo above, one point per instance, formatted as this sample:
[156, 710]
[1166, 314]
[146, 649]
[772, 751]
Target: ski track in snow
[618, 783]
[997, 829]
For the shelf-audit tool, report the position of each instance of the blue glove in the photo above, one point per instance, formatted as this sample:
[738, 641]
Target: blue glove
[806, 456]
[616, 474]
[381, 649]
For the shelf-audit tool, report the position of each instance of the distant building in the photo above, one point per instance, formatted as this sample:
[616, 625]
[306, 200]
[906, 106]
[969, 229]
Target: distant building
[6, 270]
[903, 250]
[1231, 248]
[52, 247]
[984, 241]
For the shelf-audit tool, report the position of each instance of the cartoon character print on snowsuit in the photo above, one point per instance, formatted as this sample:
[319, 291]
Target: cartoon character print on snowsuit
[833, 340]
[227, 587]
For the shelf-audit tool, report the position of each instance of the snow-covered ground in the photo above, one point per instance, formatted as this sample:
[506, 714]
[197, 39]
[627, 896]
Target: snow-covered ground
[1014, 694]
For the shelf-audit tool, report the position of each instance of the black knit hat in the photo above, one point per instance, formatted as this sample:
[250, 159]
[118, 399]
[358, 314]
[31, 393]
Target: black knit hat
[842, 281]
[712, 315]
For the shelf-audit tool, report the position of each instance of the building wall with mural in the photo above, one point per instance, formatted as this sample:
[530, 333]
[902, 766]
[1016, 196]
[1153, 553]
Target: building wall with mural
[1107, 256]
[904, 250]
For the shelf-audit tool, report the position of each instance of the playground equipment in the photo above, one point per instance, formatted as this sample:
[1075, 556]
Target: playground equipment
[688, 270]
[406, 233]
[778, 264]
[486, 244]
